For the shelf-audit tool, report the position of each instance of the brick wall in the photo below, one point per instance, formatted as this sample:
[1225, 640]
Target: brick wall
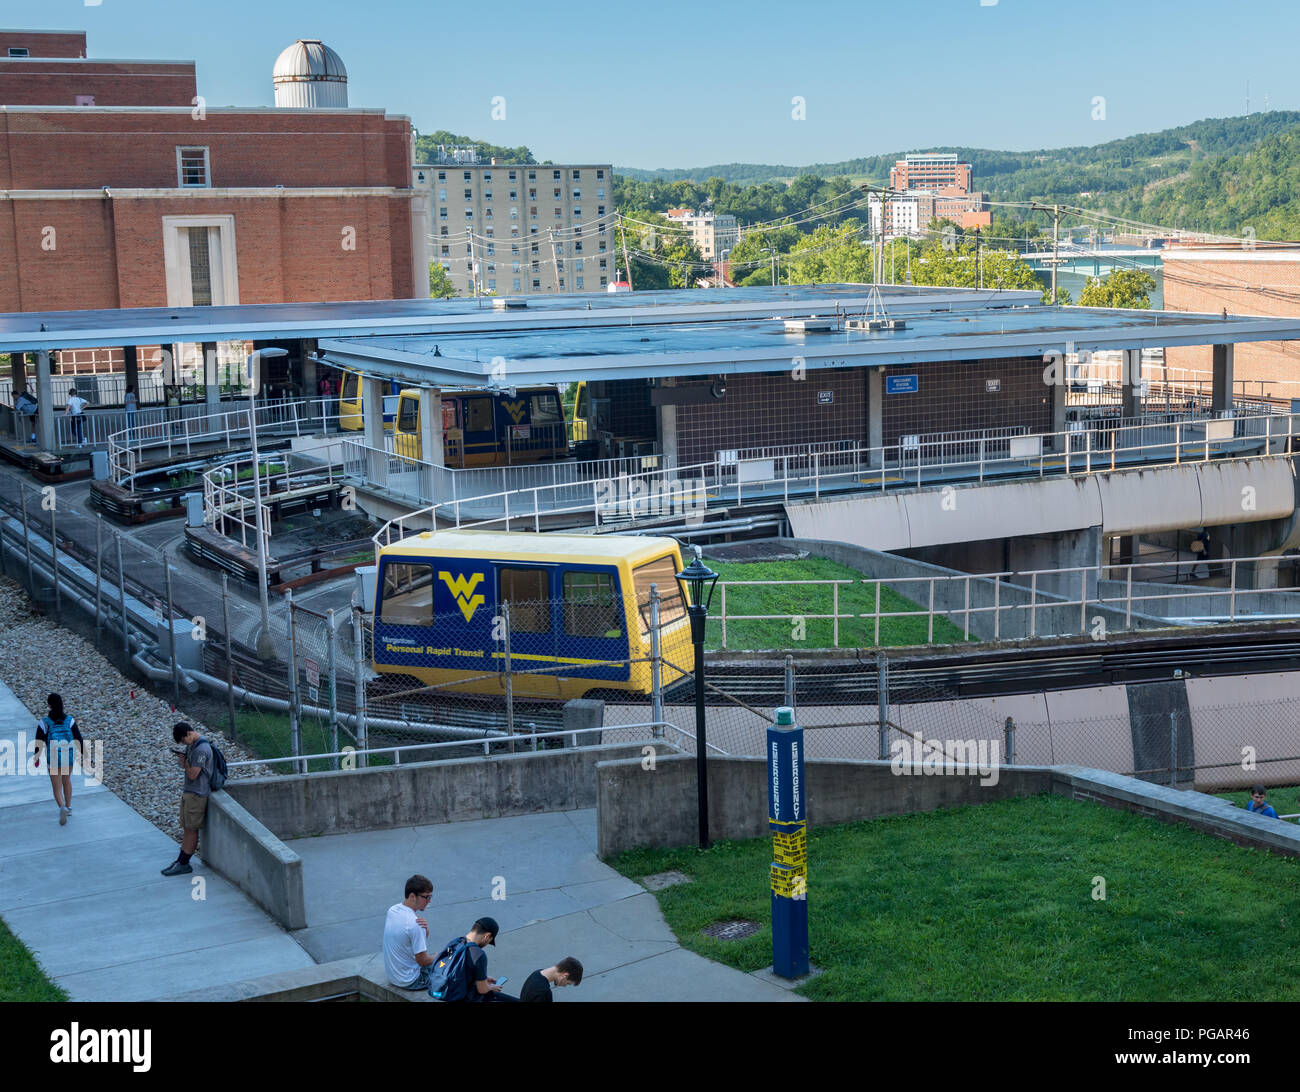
[952, 397]
[92, 148]
[1210, 286]
[774, 409]
[108, 253]
[40, 43]
[110, 83]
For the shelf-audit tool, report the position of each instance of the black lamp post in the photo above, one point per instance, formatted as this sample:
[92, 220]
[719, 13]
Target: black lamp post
[697, 581]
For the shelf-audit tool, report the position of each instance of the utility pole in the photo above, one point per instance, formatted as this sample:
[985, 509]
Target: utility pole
[979, 268]
[1056, 226]
[627, 263]
[555, 257]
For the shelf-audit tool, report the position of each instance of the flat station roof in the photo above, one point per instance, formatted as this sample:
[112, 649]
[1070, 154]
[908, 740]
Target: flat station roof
[629, 335]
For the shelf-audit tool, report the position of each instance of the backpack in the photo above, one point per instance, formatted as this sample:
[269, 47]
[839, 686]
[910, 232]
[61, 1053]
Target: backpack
[448, 980]
[217, 779]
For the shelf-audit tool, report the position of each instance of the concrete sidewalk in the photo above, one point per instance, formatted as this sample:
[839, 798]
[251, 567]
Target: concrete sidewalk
[88, 900]
[555, 898]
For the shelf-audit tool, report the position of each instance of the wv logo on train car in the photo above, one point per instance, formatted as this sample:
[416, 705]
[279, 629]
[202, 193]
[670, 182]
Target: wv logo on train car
[462, 590]
[516, 410]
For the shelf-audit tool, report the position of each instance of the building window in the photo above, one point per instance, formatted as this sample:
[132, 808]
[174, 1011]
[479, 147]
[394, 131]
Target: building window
[487, 214]
[192, 166]
[489, 231]
[442, 176]
[602, 263]
[578, 284]
[514, 233]
[600, 175]
[468, 176]
[537, 283]
[469, 195]
[487, 176]
[514, 267]
[577, 195]
[600, 193]
[577, 175]
[514, 195]
[85, 100]
[577, 213]
[442, 214]
[19, 51]
[577, 247]
[536, 268]
[514, 248]
[604, 281]
[492, 283]
[469, 249]
[578, 265]
[469, 214]
[492, 249]
[561, 282]
[602, 244]
[442, 194]
[199, 261]
[532, 176]
[555, 175]
[514, 212]
[512, 175]
[532, 231]
[446, 266]
[487, 195]
[516, 284]
[600, 210]
[442, 231]
[532, 195]
[446, 253]
[532, 211]
[559, 213]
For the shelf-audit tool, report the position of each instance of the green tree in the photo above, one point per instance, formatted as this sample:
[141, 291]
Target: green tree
[662, 256]
[1122, 288]
[426, 148]
[439, 283]
[831, 255]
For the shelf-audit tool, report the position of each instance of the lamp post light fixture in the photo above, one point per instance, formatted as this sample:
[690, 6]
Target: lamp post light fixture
[265, 646]
[697, 582]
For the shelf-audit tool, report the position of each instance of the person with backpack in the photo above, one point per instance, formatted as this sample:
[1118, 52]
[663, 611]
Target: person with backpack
[205, 770]
[58, 736]
[27, 406]
[460, 969]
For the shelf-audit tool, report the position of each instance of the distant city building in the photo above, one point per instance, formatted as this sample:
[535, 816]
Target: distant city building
[902, 214]
[713, 235]
[942, 187]
[515, 228]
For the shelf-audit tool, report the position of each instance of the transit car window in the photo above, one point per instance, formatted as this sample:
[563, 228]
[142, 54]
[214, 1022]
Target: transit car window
[662, 572]
[350, 383]
[590, 607]
[530, 599]
[478, 415]
[408, 595]
[408, 414]
[546, 410]
[448, 413]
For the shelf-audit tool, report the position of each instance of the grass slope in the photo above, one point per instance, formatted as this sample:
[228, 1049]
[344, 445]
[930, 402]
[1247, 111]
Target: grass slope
[21, 978]
[995, 902]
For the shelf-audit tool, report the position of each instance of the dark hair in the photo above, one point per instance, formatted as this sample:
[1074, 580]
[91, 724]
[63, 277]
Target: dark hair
[1257, 789]
[56, 706]
[570, 966]
[180, 731]
[418, 885]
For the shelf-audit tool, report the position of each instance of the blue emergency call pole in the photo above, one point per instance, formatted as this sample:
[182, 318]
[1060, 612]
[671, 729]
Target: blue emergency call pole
[788, 820]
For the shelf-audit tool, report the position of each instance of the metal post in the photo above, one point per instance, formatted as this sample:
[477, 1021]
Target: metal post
[295, 710]
[1009, 730]
[171, 632]
[879, 593]
[882, 701]
[698, 616]
[54, 558]
[99, 575]
[1033, 605]
[225, 625]
[656, 668]
[27, 540]
[835, 612]
[509, 678]
[789, 680]
[359, 681]
[997, 607]
[1232, 588]
[1173, 750]
[121, 585]
[332, 622]
[1083, 602]
[724, 614]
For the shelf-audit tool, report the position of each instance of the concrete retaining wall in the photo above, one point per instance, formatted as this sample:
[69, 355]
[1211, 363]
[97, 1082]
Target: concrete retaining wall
[242, 850]
[636, 808]
[417, 794]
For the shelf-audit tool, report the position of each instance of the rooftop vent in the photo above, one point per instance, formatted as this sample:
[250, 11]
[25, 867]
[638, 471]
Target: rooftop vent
[809, 326]
[503, 304]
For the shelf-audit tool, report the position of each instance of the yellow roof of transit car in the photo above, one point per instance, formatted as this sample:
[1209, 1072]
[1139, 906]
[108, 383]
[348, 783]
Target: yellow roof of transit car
[530, 546]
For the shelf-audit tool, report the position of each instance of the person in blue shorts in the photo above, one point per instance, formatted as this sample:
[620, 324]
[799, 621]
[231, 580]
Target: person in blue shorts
[1258, 804]
[59, 738]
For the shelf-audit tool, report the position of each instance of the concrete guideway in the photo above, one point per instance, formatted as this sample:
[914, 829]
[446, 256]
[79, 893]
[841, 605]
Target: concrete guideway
[560, 899]
[88, 901]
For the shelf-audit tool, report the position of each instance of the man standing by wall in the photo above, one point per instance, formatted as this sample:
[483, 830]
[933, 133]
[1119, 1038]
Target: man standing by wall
[196, 761]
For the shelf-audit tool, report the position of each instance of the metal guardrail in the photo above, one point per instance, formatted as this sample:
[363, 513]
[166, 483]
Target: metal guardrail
[688, 491]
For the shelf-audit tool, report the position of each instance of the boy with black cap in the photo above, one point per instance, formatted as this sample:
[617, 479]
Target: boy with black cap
[481, 987]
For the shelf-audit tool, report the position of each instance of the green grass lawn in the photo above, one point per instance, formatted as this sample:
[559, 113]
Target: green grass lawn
[268, 734]
[995, 902]
[21, 978]
[799, 600]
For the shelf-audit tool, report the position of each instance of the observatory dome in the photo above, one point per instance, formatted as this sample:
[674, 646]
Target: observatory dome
[310, 74]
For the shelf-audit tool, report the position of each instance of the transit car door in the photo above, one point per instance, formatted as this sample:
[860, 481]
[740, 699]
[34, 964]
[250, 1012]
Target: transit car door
[533, 644]
[593, 641]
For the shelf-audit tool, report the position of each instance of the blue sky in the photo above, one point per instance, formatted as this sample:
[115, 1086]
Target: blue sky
[674, 83]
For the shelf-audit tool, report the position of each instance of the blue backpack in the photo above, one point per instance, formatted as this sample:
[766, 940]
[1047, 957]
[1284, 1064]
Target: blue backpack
[448, 981]
[216, 779]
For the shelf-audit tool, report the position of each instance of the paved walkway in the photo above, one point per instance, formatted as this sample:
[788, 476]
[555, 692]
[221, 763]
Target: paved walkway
[87, 898]
[559, 899]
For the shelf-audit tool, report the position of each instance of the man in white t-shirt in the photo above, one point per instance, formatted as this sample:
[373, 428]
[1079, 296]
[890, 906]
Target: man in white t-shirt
[77, 411]
[406, 937]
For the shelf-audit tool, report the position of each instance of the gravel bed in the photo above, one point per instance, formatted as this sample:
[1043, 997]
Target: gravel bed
[41, 657]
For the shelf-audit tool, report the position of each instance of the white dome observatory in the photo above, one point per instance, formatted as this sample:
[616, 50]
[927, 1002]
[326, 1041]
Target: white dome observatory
[310, 74]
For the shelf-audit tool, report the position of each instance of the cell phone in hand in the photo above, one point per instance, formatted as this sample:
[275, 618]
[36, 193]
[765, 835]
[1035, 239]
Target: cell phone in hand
[502, 981]
[179, 752]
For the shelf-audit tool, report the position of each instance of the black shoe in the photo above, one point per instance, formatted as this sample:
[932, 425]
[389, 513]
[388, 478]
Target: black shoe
[176, 869]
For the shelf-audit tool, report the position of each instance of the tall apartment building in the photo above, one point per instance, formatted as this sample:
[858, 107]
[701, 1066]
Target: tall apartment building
[930, 171]
[713, 235]
[513, 229]
[902, 214]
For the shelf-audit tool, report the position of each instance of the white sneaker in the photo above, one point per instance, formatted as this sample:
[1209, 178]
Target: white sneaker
[63, 817]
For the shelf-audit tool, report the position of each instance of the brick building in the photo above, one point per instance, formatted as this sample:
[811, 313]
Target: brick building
[149, 198]
[1243, 279]
[941, 188]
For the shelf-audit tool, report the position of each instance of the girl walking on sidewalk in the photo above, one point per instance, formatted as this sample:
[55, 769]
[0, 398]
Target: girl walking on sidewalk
[58, 736]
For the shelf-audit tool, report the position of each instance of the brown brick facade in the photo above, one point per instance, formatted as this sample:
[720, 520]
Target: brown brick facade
[953, 396]
[44, 43]
[106, 83]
